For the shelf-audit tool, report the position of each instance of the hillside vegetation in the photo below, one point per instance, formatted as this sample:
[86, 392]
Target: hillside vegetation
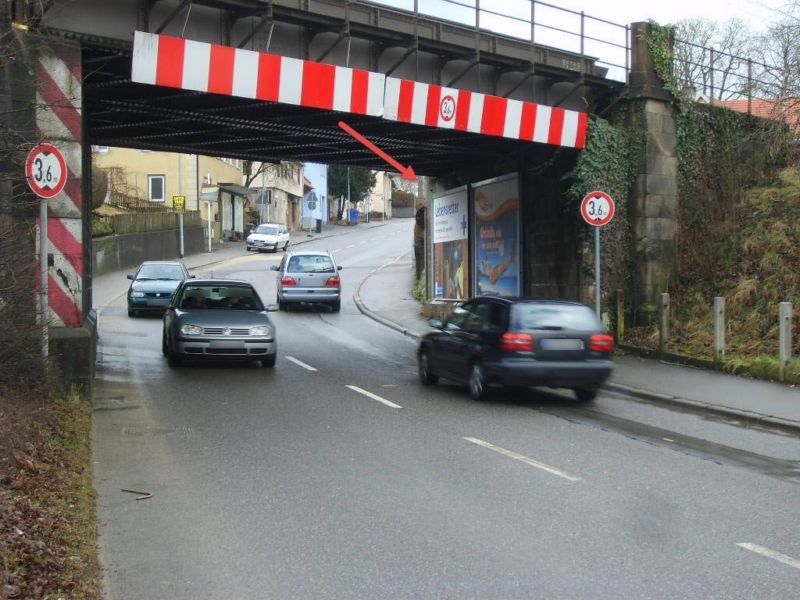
[756, 267]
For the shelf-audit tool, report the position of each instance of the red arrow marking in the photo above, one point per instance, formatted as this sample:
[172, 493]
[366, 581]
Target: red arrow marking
[405, 172]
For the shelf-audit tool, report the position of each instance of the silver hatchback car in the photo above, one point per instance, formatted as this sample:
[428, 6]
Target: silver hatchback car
[309, 277]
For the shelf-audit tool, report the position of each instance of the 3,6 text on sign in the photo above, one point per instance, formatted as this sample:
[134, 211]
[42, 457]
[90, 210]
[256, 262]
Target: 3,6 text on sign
[46, 170]
[597, 208]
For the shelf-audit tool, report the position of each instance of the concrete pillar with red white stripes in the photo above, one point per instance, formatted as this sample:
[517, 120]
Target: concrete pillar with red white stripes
[57, 69]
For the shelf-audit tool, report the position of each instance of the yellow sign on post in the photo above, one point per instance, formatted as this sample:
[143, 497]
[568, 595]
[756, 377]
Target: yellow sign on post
[179, 203]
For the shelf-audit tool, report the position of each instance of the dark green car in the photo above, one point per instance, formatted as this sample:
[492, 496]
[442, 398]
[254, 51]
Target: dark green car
[153, 284]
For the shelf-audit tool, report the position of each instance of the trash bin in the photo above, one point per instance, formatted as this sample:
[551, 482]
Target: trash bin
[319, 225]
[354, 216]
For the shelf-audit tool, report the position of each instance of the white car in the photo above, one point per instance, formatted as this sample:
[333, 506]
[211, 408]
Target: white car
[268, 236]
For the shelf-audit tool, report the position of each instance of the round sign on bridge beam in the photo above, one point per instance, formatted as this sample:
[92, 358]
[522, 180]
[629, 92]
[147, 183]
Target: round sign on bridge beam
[46, 170]
[597, 208]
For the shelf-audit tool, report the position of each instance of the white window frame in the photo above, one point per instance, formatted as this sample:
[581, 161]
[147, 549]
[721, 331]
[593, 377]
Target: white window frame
[150, 180]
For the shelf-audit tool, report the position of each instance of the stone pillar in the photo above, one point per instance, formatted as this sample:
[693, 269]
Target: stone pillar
[654, 200]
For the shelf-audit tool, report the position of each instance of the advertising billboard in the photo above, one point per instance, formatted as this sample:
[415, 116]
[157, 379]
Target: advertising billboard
[496, 210]
[450, 225]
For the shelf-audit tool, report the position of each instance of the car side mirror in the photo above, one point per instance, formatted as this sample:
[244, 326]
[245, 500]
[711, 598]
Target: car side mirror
[273, 307]
[435, 323]
[274, 268]
[130, 277]
[339, 268]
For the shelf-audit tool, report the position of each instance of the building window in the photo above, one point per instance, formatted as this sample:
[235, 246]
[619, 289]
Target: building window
[155, 188]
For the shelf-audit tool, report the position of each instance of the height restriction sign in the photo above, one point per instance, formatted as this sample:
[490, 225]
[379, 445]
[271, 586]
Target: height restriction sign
[597, 208]
[46, 170]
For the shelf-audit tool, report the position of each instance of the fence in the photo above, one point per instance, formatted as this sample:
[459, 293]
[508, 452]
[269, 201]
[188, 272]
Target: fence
[153, 221]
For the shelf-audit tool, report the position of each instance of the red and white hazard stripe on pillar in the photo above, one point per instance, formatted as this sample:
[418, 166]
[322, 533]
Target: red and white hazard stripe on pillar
[437, 106]
[176, 62]
[58, 118]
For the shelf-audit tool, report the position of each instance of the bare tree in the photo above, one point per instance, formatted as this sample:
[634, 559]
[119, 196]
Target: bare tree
[710, 57]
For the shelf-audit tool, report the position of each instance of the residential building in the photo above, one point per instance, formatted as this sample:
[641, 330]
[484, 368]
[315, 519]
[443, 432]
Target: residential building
[279, 192]
[378, 203]
[144, 180]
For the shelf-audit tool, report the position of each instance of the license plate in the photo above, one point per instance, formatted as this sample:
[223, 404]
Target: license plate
[560, 344]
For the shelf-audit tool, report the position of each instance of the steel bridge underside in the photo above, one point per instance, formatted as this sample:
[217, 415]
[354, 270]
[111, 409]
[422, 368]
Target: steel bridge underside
[122, 113]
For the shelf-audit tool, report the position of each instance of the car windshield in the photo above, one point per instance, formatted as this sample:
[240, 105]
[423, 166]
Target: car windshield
[554, 316]
[316, 263]
[267, 230]
[160, 272]
[238, 297]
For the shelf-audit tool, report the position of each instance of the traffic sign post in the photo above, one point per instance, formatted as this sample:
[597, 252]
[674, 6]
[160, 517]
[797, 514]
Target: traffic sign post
[46, 173]
[597, 209]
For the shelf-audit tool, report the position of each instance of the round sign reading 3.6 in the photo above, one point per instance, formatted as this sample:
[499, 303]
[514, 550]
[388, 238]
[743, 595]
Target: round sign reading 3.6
[597, 208]
[46, 170]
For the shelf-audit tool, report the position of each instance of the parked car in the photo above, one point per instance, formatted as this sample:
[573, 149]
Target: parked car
[220, 319]
[268, 236]
[153, 284]
[518, 342]
[309, 277]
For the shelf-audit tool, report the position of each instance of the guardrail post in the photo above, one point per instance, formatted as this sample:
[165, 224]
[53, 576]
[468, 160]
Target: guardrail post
[719, 329]
[785, 336]
[663, 323]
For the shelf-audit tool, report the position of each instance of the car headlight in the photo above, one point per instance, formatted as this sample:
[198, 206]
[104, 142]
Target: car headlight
[137, 294]
[260, 330]
[249, 238]
[191, 329]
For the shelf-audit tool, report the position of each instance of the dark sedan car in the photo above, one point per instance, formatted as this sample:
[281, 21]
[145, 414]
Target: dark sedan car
[517, 342]
[221, 319]
[153, 284]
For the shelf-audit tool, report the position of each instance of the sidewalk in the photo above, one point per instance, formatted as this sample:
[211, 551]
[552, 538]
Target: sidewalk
[386, 297]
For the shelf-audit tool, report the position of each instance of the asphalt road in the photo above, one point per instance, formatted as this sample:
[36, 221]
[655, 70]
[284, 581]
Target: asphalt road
[337, 475]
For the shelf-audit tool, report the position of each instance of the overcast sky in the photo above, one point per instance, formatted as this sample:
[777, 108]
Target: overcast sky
[755, 12]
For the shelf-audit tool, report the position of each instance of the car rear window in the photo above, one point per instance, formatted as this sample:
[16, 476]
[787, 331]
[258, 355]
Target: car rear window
[554, 316]
[267, 230]
[317, 263]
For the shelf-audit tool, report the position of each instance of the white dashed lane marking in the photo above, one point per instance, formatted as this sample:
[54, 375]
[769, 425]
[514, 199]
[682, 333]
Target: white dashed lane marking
[300, 363]
[524, 459]
[782, 558]
[374, 397]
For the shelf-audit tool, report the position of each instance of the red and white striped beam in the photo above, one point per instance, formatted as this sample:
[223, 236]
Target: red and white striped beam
[185, 64]
[179, 63]
[463, 110]
[58, 119]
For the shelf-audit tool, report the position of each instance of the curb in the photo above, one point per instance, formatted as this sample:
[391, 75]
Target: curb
[698, 406]
[375, 316]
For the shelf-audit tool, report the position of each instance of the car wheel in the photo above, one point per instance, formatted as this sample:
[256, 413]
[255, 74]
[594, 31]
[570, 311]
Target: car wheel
[173, 360]
[426, 376]
[247, 248]
[476, 383]
[281, 303]
[285, 246]
[269, 362]
[336, 306]
[164, 344]
[131, 313]
[585, 394]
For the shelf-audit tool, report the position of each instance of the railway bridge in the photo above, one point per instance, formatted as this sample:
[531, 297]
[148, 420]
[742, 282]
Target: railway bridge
[466, 95]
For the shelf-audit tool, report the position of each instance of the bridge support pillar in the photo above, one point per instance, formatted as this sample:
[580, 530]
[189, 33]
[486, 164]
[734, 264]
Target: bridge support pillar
[56, 116]
[654, 201]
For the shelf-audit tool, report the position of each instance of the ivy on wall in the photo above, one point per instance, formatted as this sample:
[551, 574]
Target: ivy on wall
[607, 163]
